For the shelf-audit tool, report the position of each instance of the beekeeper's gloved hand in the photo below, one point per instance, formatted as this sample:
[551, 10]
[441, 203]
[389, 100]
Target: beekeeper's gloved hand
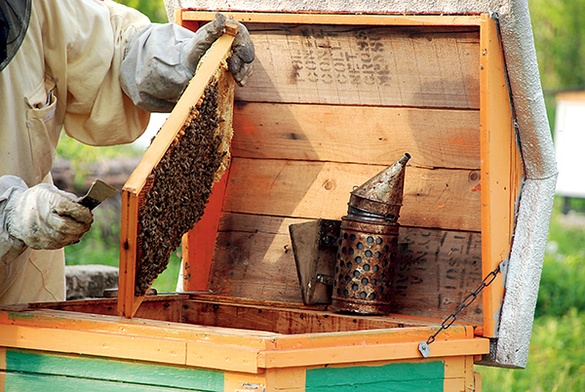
[161, 59]
[44, 217]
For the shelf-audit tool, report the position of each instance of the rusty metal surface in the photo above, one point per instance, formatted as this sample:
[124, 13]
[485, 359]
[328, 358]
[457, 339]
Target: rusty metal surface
[382, 194]
[364, 267]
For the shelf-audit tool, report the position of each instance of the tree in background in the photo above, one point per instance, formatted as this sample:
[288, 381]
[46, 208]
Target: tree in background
[559, 35]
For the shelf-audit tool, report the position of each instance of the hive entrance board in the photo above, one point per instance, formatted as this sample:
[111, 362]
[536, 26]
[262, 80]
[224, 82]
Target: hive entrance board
[167, 192]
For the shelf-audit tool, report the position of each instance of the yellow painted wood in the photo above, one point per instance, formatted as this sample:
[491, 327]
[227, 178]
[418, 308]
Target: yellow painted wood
[369, 337]
[455, 367]
[459, 374]
[220, 348]
[244, 382]
[469, 373]
[478, 382]
[289, 379]
[399, 20]
[2, 367]
[94, 343]
[365, 353]
[455, 385]
[500, 169]
[223, 357]
[61, 320]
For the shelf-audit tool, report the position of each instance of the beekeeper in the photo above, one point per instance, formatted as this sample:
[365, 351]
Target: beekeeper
[95, 69]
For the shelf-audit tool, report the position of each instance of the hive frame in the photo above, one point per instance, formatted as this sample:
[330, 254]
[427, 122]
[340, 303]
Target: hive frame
[214, 61]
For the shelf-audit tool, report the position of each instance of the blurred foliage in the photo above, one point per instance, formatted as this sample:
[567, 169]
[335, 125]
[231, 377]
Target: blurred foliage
[562, 285]
[81, 155]
[559, 35]
[154, 9]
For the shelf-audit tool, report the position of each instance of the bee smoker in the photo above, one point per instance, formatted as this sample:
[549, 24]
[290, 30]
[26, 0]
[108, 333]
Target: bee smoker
[368, 243]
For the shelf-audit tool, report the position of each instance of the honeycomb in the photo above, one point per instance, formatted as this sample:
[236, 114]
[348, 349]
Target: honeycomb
[178, 188]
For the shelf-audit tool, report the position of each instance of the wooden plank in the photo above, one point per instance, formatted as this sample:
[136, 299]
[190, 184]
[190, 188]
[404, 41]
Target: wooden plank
[364, 65]
[367, 353]
[287, 321]
[501, 170]
[401, 376]
[163, 308]
[193, 14]
[370, 337]
[2, 368]
[447, 199]
[61, 320]
[258, 265]
[456, 384]
[435, 271]
[17, 382]
[455, 367]
[357, 134]
[289, 380]
[222, 357]
[246, 382]
[93, 343]
[136, 186]
[111, 370]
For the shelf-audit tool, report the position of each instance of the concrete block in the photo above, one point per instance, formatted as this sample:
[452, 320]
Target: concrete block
[89, 281]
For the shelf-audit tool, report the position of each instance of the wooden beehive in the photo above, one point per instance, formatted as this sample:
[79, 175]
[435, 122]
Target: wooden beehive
[333, 100]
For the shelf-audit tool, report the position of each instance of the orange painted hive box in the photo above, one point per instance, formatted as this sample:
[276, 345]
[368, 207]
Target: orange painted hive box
[333, 100]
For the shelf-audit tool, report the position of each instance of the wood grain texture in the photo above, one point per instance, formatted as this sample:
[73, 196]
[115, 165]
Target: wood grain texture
[435, 270]
[501, 170]
[364, 65]
[447, 199]
[286, 321]
[357, 134]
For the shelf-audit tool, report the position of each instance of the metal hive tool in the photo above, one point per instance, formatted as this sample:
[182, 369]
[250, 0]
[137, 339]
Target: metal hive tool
[166, 194]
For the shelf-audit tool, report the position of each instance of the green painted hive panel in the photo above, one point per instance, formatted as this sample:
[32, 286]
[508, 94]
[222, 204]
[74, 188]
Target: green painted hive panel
[398, 377]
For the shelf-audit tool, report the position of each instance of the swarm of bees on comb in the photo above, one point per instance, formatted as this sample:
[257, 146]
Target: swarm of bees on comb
[178, 188]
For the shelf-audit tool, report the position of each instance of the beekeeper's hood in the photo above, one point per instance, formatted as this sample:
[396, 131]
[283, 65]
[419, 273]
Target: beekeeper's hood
[14, 18]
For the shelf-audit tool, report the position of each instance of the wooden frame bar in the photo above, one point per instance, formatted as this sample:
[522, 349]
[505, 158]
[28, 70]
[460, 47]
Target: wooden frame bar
[335, 19]
[501, 170]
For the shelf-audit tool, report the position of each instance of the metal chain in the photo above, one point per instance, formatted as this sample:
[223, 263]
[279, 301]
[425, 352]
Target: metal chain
[467, 301]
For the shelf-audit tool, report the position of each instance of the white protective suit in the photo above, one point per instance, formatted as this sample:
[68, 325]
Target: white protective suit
[54, 80]
[65, 75]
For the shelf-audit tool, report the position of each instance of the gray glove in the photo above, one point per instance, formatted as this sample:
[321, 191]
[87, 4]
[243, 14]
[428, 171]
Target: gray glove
[161, 59]
[43, 217]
